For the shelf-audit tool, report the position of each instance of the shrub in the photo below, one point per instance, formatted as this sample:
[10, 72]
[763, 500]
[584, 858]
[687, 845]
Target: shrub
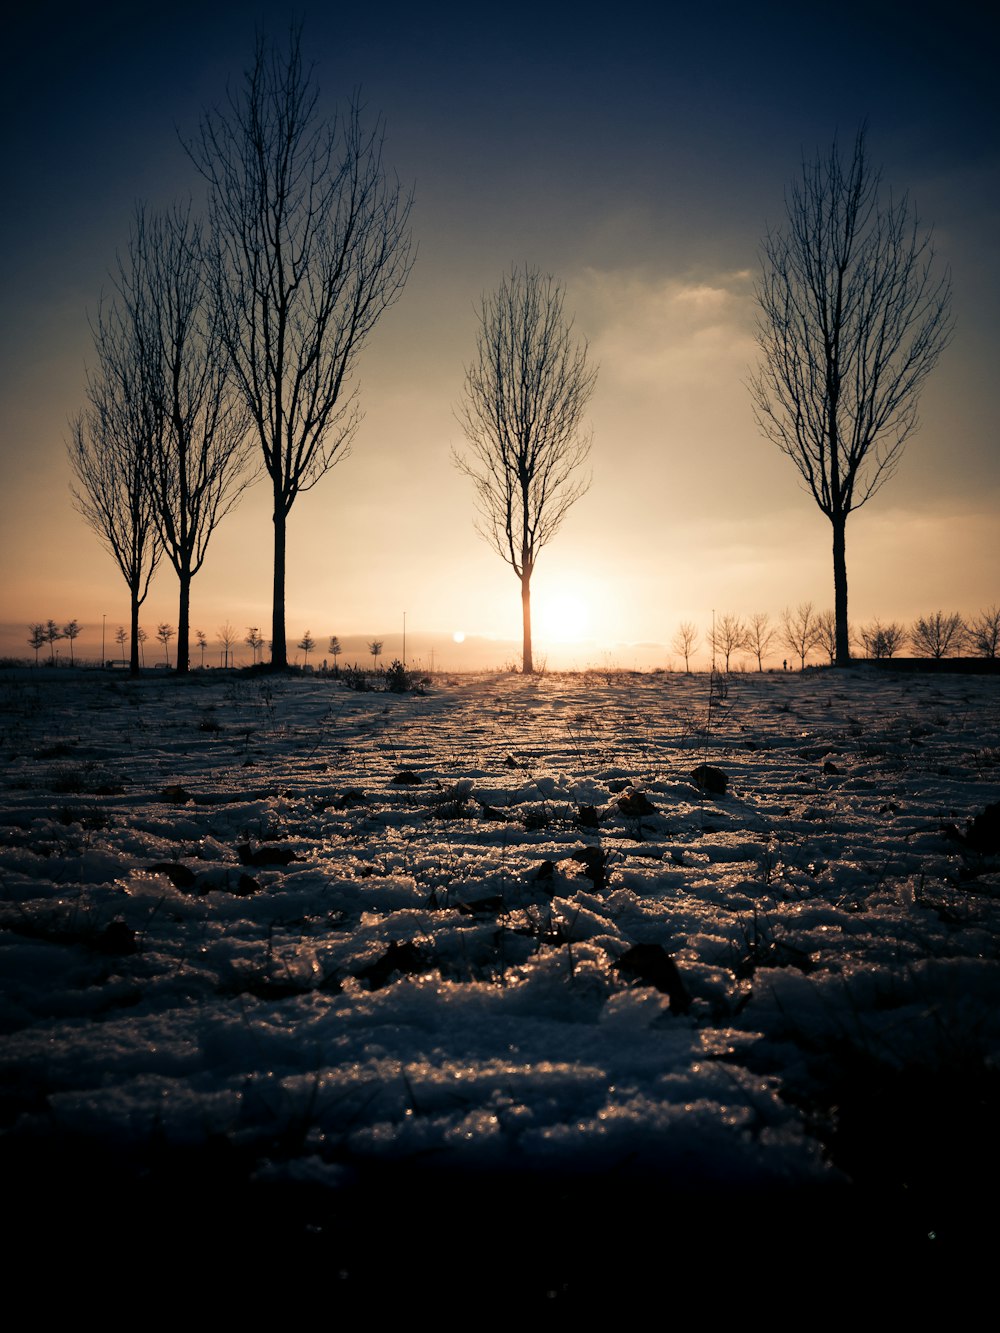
[397, 678]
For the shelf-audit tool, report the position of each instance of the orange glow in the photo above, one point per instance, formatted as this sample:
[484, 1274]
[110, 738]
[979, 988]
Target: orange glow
[560, 615]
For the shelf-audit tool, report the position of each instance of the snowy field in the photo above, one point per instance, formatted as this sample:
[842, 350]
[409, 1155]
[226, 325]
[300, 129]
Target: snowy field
[492, 979]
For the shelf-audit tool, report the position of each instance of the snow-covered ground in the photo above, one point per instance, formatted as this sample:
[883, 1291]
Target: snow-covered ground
[485, 970]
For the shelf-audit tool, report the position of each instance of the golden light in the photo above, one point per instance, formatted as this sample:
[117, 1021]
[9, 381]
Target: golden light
[560, 615]
[459, 636]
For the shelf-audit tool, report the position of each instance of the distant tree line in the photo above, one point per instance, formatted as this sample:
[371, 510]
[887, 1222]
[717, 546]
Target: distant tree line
[804, 632]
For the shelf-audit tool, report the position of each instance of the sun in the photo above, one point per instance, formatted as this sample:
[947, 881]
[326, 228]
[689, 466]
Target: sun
[560, 616]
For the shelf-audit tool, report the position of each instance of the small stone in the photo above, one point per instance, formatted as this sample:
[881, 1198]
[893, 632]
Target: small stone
[635, 804]
[710, 779]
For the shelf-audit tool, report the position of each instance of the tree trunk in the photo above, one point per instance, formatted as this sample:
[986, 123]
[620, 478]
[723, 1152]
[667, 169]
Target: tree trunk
[279, 651]
[134, 641]
[527, 666]
[839, 522]
[184, 624]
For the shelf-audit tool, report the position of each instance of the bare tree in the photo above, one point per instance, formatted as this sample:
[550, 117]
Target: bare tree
[984, 632]
[800, 631]
[760, 635]
[310, 246]
[52, 636]
[375, 648]
[882, 641]
[141, 636]
[892, 639]
[685, 641]
[254, 641]
[227, 638]
[165, 633]
[335, 650]
[826, 635]
[727, 636]
[36, 638]
[307, 643]
[200, 456]
[72, 633]
[938, 635]
[202, 643]
[851, 323]
[111, 451]
[525, 396]
[121, 638]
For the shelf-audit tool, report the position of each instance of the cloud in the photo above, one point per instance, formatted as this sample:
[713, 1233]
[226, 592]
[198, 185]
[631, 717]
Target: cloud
[679, 333]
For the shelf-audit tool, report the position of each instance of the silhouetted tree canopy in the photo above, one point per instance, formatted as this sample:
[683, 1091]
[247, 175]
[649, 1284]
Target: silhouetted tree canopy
[525, 395]
[310, 245]
[852, 321]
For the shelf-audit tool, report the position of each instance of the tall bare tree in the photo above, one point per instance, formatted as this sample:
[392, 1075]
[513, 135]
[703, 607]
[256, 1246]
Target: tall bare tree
[201, 455]
[852, 321]
[522, 413]
[112, 445]
[310, 245]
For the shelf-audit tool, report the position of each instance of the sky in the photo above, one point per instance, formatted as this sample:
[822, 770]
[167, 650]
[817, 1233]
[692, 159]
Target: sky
[639, 158]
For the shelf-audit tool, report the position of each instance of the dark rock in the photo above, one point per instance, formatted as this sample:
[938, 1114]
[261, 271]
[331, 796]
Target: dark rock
[351, 797]
[595, 865]
[406, 778]
[818, 751]
[492, 813]
[586, 817]
[982, 832]
[482, 906]
[634, 804]
[176, 795]
[402, 957]
[546, 872]
[651, 965]
[776, 953]
[117, 938]
[709, 779]
[181, 877]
